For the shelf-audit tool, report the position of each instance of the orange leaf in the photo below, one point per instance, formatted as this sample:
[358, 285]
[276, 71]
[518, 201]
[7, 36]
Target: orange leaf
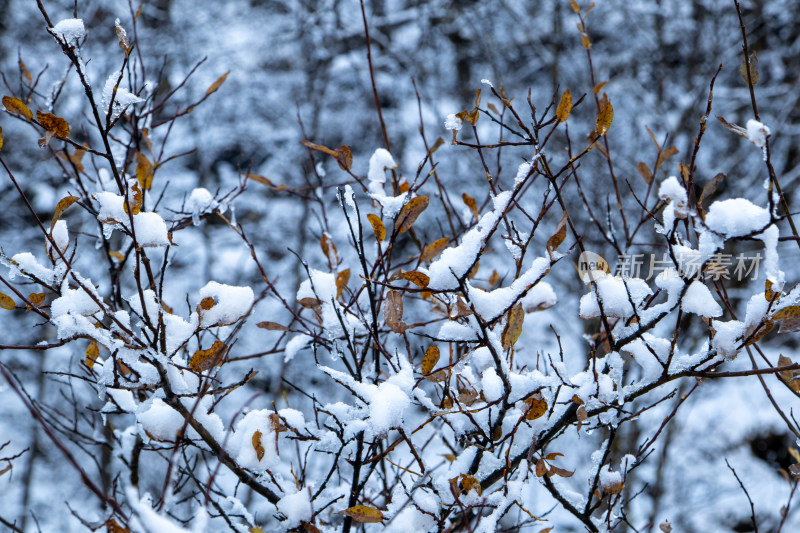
[409, 213]
[604, 118]
[62, 206]
[513, 328]
[417, 278]
[203, 360]
[15, 106]
[257, 446]
[272, 326]
[473, 206]
[144, 171]
[54, 124]
[377, 227]
[564, 107]
[92, 353]
[433, 249]
[6, 302]
[217, 84]
[558, 237]
[364, 514]
[429, 361]
[341, 281]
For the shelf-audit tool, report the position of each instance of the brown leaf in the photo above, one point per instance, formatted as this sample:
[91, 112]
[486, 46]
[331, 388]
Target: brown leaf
[92, 353]
[272, 326]
[393, 312]
[469, 483]
[377, 227]
[309, 303]
[341, 281]
[644, 170]
[665, 155]
[433, 249]
[134, 205]
[122, 37]
[62, 206]
[436, 145]
[537, 408]
[553, 456]
[1, 138]
[310, 528]
[791, 312]
[320, 148]
[473, 206]
[417, 278]
[344, 157]
[113, 527]
[541, 468]
[575, 7]
[54, 124]
[144, 171]
[558, 237]
[564, 107]
[329, 249]
[409, 213]
[37, 298]
[25, 72]
[604, 118]
[710, 187]
[203, 360]
[363, 514]
[259, 178]
[769, 294]
[432, 355]
[513, 328]
[753, 71]
[15, 106]
[494, 279]
[437, 377]
[217, 84]
[766, 328]
[467, 395]
[597, 89]
[561, 472]
[6, 302]
[257, 446]
[735, 128]
[474, 271]
[205, 304]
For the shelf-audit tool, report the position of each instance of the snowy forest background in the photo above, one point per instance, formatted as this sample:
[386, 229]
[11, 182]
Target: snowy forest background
[298, 70]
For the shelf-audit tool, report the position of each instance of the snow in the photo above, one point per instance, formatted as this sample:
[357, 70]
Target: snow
[380, 160]
[736, 217]
[492, 304]
[60, 235]
[123, 98]
[540, 296]
[199, 203]
[609, 479]
[295, 344]
[728, 337]
[160, 421]
[75, 302]
[70, 30]
[674, 194]
[757, 133]
[699, 301]
[492, 385]
[26, 264]
[230, 304]
[150, 230]
[391, 205]
[387, 407]
[296, 507]
[614, 293]
[452, 122]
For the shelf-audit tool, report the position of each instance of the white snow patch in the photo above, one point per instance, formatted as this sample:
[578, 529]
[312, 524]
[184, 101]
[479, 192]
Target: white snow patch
[736, 217]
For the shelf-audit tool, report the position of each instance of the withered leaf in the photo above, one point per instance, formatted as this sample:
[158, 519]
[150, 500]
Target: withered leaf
[541, 468]
[735, 128]
[438, 376]
[766, 328]
[711, 186]
[393, 312]
[92, 353]
[513, 328]
[597, 89]
[377, 227]
[604, 118]
[329, 249]
[259, 178]
[537, 407]
[134, 205]
[309, 303]
[469, 483]
[272, 326]
[417, 278]
[113, 527]
[203, 360]
[552, 456]
[1, 138]
[665, 155]
[341, 281]
[753, 70]
[769, 294]
[587, 44]
[564, 107]
[309, 527]
[15, 106]
[575, 7]
[122, 37]
[473, 206]
[117, 256]
[494, 279]
[791, 312]
[257, 446]
[52, 123]
[62, 206]
[144, 171]
[364, 514]
[558, 237]
[432, 355]
[474, 271]
[433, 249]
[344, 157]
[205, 304]
[409, 213]
[37, 298]
[25, 72]
[563, 473]
[6, 302]
[436, 145]
[214, 87]
[644, 170]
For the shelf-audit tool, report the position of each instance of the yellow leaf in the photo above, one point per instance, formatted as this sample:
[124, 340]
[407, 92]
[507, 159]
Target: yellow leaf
[25, 72]
[117, 256]
[37, 298]
[272, 326]
[1, 138]
[564, 107]
[574, 5]
[393, 312]
[217, 84]
[259, 179]
[513, 328]
[417, 278]
[769, 294]
[791, 312]
[429, 361]
[604, 118]
[341, 281]
[57, 125]
[364, 514]
[92, 353]
[666, 154]
[599, 87]
[257, 446]
[144, 171]
[537, 407]
[62, 206]
[469, 483]
[377, 227]
[433, 249]
[587, 44]
[558, 237]
[134, 205]
[473, 206]
[6, 302]
[409, 213]
[15, 106]
[203, 360]
[644, 170]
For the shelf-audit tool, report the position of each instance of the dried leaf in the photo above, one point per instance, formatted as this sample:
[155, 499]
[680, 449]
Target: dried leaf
[310, 528]
[552, 456]
[563, 473]
[54, 124]
[537, 407]
[1, 138]
[432, 355]
[113, 527]
[513, 328]
[134, 205]
[15, 106]
[665, 155]
[92, 353]
[541, 468]
[436, 145]
[564, 107]
[329, 249]
[344, 157]
[341, 281]
[409, 213]
[558, 237]
[494, 279]
[217, 84]
[766, 328]
[710, 187]
[122, 37]
[735, 128]
[644, 170]
[257, 446]
[433, 249]
[474, 271]
[437, 377]
[473, 206]
[377, 227]
[259, 178]
[309, 303]
[37, 298]
[769, 294]
[393, 312]
[205, 304]
[364, 514]
[144, 171]
[417, 278]
[272, 326]
[469, 483]
[6, 302]
[597, 89]
[25, 72]
[203, 360]
[467, 395]
[791, 312]
[753, 72]
[587, 44]
[117, 256]
[604, 118]
[786, 375]
[62, 206]
[575, 7]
